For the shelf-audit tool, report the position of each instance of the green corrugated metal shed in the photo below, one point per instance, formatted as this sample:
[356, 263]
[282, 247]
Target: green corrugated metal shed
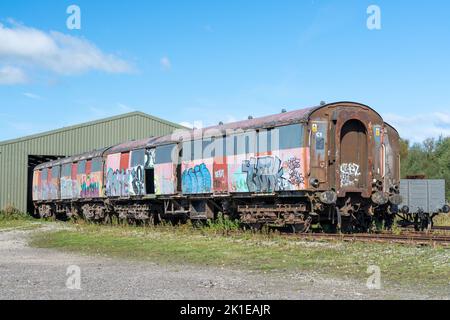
[15, 154]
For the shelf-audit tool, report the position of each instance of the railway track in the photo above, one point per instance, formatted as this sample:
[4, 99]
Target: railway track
[440, 228]
[434, 228]
[409, 238]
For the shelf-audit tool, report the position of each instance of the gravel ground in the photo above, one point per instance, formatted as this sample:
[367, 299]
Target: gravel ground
[30, 273]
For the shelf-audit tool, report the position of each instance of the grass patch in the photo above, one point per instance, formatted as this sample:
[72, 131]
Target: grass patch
[210, 246]
[442, 220]
[12, 219]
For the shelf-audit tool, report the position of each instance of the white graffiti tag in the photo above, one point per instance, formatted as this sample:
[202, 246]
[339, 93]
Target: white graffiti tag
[349, 174]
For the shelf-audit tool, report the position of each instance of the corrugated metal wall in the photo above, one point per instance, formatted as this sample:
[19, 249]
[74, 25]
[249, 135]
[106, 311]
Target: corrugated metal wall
[70, 141]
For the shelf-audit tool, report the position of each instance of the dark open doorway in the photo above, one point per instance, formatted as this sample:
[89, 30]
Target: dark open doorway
[33, 161]
[150, 181]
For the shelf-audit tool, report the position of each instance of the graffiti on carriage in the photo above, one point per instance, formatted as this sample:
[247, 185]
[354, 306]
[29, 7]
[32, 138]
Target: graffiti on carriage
[350, 174]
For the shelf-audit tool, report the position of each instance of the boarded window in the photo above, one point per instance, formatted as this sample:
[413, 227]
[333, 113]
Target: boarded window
[55, 172]
[197, 150]
[124, 161]
[74, 171]
[220, 147]
[291, 136]
[67, 170]
[214, 147]
[97, 164]
[207, 150]
[164, 153]
[264, 141]
[88, 167]
[242, 143]
[188, 153]
[81, 169]
[44, 175]
[137, 158]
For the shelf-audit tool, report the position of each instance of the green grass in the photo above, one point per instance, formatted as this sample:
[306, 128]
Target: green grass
[16, 220]
[209, 246]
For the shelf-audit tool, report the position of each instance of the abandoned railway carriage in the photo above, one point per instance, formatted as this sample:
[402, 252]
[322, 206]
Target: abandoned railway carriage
[336, 164]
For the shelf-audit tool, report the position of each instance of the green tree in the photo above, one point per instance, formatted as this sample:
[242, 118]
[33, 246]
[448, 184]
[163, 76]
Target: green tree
[430, 158]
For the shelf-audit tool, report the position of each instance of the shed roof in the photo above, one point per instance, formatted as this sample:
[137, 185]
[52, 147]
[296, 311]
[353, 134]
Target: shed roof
[91, 123]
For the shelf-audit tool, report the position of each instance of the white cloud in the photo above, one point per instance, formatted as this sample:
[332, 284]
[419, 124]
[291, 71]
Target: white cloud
[55, 52]
[125, 108]
[12, 75]
[192, 125]
[100, 112]
[32, 96]
[443, 120]
[165, 63]
[417, 128]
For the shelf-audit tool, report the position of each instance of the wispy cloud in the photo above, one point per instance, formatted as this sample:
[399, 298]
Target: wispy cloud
[419, 127]
[165, 63]
[192, 125]
[125, 108]
[12, 75]
[32, 96]
[25, 48]
[103, 112]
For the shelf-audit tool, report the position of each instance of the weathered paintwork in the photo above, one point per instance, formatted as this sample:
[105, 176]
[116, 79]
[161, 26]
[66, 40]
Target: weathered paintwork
[46, 184]
[166, 164]
[342, 146]
[196, 176]
[165, 179]
[281, 170]
[353, 159]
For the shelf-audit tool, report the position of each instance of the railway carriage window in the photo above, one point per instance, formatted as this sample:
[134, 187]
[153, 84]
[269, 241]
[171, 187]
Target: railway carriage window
[137, 158]
[55, 172]
[247, 144]
[208, 150]
[188, 153]
[88, 167]
[67, 170]
[97, 165]
[165, 153]
[197, 150]
[244, 143]
[81, 168]
[220, 147]
[44, 175]
[264, 141]
[214, 147]
[291, 136]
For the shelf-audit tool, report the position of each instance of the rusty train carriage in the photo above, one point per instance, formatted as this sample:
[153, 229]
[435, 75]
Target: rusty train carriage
[337, 164]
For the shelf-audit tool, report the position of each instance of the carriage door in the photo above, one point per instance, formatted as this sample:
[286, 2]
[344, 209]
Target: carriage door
[318, 158]
[353, 156]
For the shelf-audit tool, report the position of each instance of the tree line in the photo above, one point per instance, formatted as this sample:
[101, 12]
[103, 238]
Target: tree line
[430, 158]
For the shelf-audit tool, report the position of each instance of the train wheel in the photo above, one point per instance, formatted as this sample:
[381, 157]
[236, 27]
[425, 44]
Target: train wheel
[254, 227]
[298, 228]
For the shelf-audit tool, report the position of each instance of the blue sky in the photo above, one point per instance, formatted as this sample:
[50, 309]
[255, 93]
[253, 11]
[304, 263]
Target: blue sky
[208, 61]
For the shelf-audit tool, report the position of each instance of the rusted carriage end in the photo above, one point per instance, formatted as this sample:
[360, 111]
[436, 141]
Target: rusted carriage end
[360, 161]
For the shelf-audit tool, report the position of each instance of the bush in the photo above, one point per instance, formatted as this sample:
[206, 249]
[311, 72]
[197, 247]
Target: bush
[12, 213]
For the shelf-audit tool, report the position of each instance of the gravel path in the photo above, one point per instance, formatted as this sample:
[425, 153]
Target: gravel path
[30, 273]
